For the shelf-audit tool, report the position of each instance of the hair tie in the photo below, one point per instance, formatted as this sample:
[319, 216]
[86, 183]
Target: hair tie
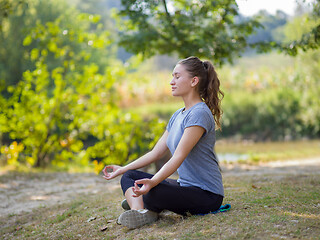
[204, 66]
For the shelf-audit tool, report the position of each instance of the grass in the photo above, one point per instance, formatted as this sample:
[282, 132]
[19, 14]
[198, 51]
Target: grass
[270, 151]
[263, 207]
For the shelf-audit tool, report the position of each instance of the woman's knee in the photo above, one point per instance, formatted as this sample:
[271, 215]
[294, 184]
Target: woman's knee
[127, 180]
[133, 175]
[128, 175]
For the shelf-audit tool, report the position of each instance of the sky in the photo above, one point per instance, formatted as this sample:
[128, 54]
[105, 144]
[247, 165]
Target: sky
[250, 7]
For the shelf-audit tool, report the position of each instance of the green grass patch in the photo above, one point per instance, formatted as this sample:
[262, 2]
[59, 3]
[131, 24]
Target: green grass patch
[263, 207]
[270, 151]
[71, 211]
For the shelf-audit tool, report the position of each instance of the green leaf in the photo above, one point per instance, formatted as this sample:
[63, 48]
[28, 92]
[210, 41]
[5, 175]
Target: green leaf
[27, 40]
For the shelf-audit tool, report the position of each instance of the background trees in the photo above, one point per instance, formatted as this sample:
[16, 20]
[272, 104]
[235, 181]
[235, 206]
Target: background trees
[63, 110]
[210, 29]
[71, 95]
[310, 39]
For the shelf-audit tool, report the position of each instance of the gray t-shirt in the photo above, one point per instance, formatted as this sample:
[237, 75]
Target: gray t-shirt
[200, 168]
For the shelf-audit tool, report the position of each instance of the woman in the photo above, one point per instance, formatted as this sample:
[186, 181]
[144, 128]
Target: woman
[190, 136]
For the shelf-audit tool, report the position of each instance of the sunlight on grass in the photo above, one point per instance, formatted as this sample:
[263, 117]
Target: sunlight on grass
[310, 216]
[263, 207]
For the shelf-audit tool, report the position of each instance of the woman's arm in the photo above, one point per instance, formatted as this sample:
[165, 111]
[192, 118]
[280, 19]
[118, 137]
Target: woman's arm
[188, 140]
[155, 154]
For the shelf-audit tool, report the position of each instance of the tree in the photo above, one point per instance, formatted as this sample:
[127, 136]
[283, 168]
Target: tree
[11, 37]
[66, 112]
[203, 28]
[209, 29]
[270, 24]
[21, 18]
[309, 40]
[40, 110]
[307, 68]
[7, 7]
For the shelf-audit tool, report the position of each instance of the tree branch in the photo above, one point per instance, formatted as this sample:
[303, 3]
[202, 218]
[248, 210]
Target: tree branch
[169, 17]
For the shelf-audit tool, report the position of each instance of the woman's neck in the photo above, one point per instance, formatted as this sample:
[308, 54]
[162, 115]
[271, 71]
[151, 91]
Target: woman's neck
[191, 100]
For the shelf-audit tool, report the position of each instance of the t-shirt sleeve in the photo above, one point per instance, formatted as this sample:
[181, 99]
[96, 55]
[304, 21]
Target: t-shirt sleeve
[173, 117]
[199, 117]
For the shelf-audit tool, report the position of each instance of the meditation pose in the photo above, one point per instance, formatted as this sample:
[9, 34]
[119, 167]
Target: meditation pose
[190, 137]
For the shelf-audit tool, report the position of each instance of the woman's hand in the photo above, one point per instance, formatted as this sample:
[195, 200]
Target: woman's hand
[147, 185]
[116, 171]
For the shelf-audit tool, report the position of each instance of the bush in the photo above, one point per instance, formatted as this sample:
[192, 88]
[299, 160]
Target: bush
[273, 114]
[67, 113]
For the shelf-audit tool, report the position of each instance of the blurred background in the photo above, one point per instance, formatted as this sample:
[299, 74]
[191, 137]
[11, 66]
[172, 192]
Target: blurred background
[86, 83]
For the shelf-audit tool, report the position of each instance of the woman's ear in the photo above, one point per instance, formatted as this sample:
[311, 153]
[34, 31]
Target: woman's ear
[194, 81]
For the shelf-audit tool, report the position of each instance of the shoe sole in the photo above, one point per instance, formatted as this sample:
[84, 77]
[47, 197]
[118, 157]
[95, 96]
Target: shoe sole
[134, 219]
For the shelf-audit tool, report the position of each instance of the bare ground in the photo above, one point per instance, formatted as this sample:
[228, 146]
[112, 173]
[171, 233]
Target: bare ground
[22, 193]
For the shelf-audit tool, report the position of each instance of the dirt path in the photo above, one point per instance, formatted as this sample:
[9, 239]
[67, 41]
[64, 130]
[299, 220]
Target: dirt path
[25, 192]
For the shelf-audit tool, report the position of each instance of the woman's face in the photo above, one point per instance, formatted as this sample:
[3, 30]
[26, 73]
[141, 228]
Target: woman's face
[181, 83]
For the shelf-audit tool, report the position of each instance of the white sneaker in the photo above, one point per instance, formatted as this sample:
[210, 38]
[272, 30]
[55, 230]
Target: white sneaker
[137, 218]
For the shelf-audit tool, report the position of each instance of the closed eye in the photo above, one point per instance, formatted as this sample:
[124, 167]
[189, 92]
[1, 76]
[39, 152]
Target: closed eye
[175, 75]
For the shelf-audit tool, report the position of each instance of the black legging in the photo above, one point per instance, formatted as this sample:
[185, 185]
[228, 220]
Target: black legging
[169, 195]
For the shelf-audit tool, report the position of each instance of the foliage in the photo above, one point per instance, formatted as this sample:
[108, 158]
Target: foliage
[66, 98]
[7, 7]
[64, 110]
[267, 97]
[12, 152]
[39, 115]
[273, 102]
[201, 28]
[22, 18]
[309, 40]
[268, 115]
[25, 17]
[270, 24]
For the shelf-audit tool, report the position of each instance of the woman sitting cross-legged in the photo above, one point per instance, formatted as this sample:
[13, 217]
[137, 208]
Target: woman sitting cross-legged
[190, 137]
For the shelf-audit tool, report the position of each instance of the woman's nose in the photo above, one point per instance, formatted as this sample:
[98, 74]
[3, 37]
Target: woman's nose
[172, 82]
